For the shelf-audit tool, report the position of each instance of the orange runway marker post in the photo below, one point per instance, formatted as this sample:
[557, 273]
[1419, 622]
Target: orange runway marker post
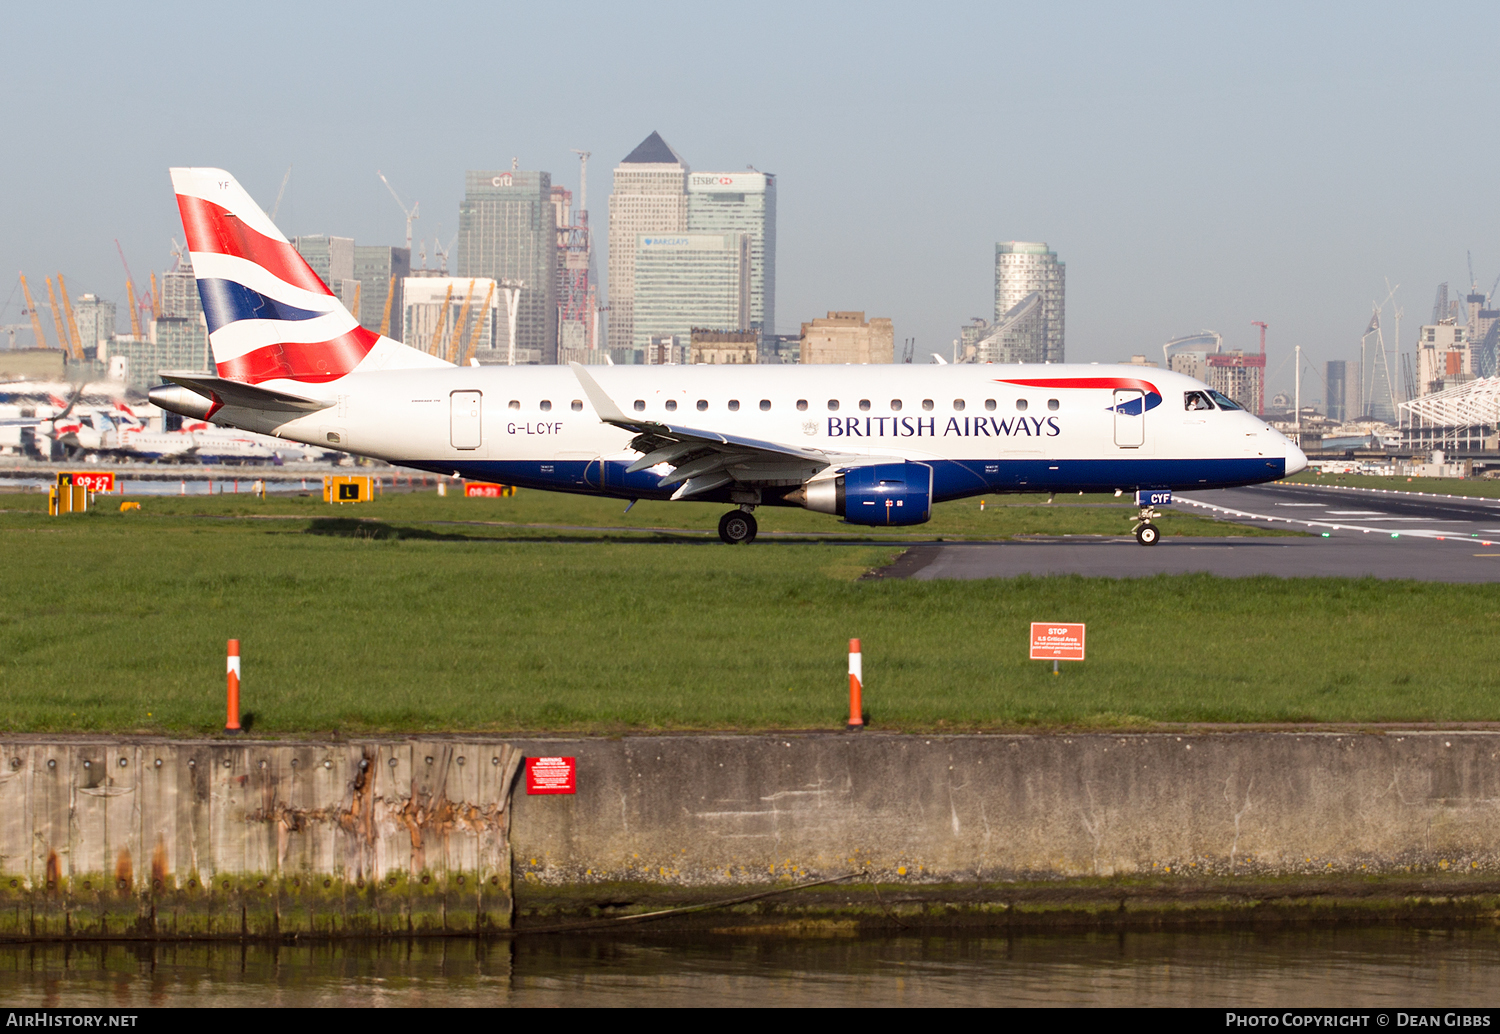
[856, 687]
[232, 722]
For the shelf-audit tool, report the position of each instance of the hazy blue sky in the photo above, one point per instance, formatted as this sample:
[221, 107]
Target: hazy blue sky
[1196, 165]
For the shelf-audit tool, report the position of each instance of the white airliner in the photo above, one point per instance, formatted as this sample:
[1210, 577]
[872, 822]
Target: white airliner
[875, 445]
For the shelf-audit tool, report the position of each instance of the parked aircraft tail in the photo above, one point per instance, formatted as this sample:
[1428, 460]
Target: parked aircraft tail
[270, 318]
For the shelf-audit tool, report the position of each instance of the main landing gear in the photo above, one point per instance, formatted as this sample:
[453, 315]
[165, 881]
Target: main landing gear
[738, 526]
[1146, 533]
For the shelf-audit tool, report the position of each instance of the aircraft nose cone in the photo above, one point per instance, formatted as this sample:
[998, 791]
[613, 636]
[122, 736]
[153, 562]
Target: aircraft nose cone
[1296, 459]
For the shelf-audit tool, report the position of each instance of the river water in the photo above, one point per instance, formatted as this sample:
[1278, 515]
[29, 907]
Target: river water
[1344, 967]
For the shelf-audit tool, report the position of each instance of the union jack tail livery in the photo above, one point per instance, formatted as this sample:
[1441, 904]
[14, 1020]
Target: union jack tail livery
[271, 320]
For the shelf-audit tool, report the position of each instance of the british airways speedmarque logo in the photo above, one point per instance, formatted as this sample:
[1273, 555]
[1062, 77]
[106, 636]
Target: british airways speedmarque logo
[1132, 407]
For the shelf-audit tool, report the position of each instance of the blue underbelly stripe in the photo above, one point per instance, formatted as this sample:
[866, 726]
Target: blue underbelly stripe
[952, 479]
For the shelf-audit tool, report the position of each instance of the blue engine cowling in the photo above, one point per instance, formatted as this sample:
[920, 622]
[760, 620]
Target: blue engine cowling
[885, 494]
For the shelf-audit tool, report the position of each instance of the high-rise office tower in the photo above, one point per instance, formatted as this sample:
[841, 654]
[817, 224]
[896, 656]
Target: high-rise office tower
[374, 267]
[96, 323]
[181, 332]
[1337, 387]
[649, 198]
[688, 280]
[1016, 336]
[1021, 268]
[741, 202]
[176, 340]
[332, 258]
[507, 231]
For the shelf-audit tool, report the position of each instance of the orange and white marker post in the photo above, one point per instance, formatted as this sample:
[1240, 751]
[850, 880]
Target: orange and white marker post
[232, 724]
[856, 687]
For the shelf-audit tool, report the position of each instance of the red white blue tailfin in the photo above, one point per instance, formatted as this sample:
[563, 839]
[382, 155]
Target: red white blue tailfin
[270, 318]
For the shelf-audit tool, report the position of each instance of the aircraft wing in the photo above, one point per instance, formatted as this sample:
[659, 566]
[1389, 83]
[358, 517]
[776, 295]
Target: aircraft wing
[223, 392]
[702, 460]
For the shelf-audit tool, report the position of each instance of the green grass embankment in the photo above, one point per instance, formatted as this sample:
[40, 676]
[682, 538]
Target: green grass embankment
[553, 515]
[1477, 487]
[117, 622]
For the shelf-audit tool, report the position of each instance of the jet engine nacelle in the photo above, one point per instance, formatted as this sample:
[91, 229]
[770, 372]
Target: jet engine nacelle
[174, 398]
[883, 494]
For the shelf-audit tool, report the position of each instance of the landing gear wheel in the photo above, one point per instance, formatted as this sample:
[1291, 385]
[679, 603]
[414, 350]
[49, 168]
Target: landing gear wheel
[1147, 534]
[738, 526]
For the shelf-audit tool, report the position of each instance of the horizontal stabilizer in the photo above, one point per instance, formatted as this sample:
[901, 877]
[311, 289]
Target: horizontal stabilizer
[241, 395]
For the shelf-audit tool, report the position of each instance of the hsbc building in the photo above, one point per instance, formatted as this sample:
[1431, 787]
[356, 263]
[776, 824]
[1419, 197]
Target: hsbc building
[741, 202]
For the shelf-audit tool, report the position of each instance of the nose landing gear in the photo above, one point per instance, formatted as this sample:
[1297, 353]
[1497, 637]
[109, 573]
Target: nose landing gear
[738, 526]
[1146, 533]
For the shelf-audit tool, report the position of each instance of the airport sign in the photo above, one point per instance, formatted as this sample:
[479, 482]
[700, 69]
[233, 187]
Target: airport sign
[486, 490]
[551, 775]
[92, 480]
[1056, 641]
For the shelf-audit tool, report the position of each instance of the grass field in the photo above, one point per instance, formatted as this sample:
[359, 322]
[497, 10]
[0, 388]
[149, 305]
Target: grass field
[117, 622]
[552, 515]
[1476, 487]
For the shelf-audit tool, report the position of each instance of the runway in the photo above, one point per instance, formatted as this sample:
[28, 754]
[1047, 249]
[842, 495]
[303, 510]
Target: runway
[1352, 533]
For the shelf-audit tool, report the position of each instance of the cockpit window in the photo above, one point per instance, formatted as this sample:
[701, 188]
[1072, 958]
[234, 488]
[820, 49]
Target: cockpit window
[1196, 400]
[1223, 401]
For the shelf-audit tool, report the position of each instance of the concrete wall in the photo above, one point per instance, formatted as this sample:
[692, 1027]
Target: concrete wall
[100, 837]
[736, 809]
[143, 837]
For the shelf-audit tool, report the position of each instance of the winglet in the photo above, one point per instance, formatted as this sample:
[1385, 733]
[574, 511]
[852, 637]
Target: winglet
[602, 403]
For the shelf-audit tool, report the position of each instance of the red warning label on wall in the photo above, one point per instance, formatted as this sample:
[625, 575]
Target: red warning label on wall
[551, 775]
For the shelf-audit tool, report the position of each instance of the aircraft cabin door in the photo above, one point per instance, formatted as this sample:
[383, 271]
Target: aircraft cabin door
[465, 409]
[1130, 418]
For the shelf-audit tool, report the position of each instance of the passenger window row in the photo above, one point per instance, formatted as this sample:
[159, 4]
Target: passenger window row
[733, 405]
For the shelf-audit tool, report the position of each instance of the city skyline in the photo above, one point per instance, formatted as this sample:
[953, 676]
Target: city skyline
[1205, 168]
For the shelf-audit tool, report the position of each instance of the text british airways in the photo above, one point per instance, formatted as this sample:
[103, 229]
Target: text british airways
[926, 427]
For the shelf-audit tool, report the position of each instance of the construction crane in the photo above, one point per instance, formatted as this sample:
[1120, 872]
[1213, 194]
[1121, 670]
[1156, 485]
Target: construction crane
[62, 289]
[354, 305]
[484, 311]
[31, 310]
[62, 335]
[458, 325]
[442, 252]
[155, 298]
[410, 213]
[385, 317]
[135, 319]
[284, 180]
[1260, 403]
[436, 347]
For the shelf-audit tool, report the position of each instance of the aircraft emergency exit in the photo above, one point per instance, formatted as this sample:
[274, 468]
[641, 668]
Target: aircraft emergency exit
[875, 445]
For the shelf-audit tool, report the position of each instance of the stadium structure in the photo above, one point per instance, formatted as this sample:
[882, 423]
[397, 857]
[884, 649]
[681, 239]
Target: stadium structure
[1463, 418]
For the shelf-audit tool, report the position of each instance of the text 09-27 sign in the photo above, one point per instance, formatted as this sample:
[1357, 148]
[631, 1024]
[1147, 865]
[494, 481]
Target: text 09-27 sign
[551, 775]
[93, 480]
[1056, 641]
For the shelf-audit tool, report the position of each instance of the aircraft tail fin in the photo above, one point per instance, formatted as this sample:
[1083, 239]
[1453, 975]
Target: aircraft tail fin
[270, 318]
